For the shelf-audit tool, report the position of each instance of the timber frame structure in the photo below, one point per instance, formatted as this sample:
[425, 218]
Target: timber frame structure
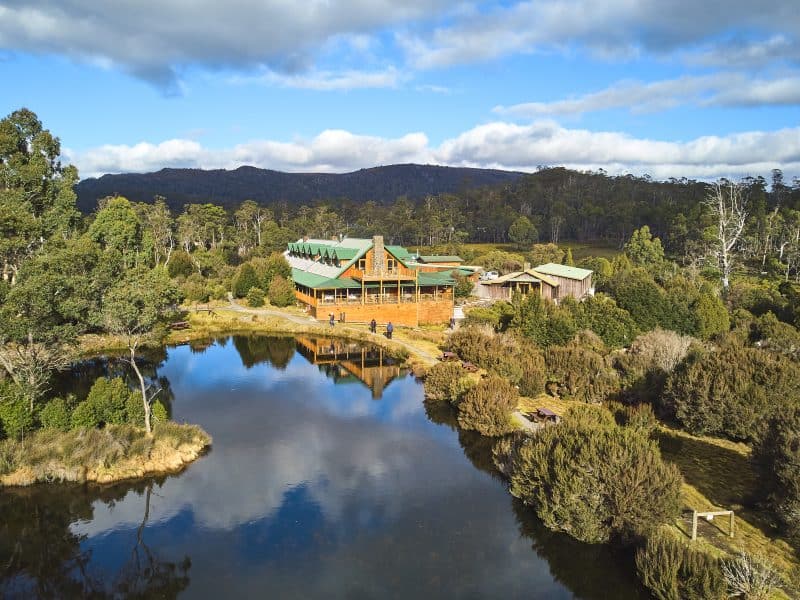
[357, 280]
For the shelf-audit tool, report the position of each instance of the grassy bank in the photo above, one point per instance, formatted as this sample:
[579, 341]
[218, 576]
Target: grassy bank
[114, 453]
[719, 476]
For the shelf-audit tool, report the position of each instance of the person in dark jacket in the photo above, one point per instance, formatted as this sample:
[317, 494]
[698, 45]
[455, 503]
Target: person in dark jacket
[373, 326]
[389, 330]
[332, 320]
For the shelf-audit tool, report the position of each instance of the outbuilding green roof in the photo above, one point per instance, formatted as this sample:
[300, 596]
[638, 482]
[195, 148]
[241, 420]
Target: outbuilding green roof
[563, 271]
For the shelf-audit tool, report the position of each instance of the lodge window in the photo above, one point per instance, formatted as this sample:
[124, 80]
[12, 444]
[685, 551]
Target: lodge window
[362, 264]
[390, 264]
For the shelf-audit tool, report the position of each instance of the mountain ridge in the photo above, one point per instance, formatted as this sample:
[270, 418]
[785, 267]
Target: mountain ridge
[230, 187]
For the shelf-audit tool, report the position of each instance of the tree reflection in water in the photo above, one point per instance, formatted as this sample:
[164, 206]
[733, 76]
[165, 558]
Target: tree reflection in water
[41, 556]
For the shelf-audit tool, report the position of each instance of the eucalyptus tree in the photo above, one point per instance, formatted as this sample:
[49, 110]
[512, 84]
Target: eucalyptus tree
[36, 197]
[133, 309]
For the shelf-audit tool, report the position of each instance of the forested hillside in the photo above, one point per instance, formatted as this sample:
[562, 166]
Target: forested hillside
[230, 188]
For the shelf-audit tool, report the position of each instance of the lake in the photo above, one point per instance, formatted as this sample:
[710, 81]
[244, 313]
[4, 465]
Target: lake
[328, 478]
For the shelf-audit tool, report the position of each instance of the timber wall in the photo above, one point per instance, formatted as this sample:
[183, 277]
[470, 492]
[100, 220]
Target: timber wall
[410, 314]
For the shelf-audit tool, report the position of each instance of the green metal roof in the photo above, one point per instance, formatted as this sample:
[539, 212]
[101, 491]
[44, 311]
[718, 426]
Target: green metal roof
[320, 282]
[563, 271]
[437, 258]
[440, 278]
[399, 251]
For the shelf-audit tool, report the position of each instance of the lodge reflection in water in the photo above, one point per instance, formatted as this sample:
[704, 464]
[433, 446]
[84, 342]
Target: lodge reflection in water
[346, 361]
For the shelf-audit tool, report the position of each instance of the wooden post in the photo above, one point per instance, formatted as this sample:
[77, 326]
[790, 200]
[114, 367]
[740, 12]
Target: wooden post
[694, 525]
[731, 524]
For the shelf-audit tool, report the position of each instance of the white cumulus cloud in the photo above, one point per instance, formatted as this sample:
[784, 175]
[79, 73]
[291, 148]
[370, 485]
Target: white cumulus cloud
[497, 144]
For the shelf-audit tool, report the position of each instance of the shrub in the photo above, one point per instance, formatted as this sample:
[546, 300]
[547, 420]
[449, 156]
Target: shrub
[106, 404]
[651, 357]
[711, 315]
[446, 381]
[487, 407]
[731, 391]
[84, 416]
[255, 297]
[267, 268]
[501, 354]
[500, 261]
[601, 315]
[56, 415]
[15, 415]
[580, 373]
[750, 578]
[463, 287]
[777, 460]
[195, 289]
[673, 571]
[245, 279]
[281, 291]
[640, 417]
[159, 412]
[640, 295]
[769, 333]
[595, 480]
[542, 321]
[218, 292]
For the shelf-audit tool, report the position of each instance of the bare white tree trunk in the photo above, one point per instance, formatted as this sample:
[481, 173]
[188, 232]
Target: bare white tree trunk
[142, 387]
[729, 207]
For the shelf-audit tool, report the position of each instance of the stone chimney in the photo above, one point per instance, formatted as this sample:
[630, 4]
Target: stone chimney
[305, 238]
[526, 266]
[378, 255]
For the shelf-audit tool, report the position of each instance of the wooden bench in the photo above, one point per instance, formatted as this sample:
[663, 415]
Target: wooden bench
[179, 325]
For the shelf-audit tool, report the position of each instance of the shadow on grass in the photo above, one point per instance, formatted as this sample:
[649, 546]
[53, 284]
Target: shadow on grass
[722, 475]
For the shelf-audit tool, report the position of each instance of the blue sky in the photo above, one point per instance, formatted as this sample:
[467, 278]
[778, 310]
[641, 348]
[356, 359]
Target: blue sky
[666, 87]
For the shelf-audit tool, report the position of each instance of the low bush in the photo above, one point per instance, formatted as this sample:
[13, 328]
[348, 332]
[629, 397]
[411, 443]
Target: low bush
[487, 407]
[501, 354]
[108, 403]
[673, 571]
[776, 457]
[750, 578]
[56, 414]
[255, 297]
[281, 292]
[580, 373]
[594, 480]
[650, 359]
[15, 415]
[730, 391]
[446, 381]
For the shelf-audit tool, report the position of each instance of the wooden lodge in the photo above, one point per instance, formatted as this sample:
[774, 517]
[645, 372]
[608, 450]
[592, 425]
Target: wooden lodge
[358, 280]
[550, 281]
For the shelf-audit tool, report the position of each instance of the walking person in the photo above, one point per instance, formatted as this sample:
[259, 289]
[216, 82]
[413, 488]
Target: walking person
[332, 320]
[373, 326]
[389, 330]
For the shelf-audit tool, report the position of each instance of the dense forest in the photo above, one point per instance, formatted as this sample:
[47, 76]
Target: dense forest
[557, 205]
[230, 188]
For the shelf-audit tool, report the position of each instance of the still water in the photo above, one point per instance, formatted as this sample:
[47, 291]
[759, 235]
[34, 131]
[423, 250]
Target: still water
[328, 478]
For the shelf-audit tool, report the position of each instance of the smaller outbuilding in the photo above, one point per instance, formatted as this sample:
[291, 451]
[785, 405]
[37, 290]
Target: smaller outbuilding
[523, 282]
[572, 281]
